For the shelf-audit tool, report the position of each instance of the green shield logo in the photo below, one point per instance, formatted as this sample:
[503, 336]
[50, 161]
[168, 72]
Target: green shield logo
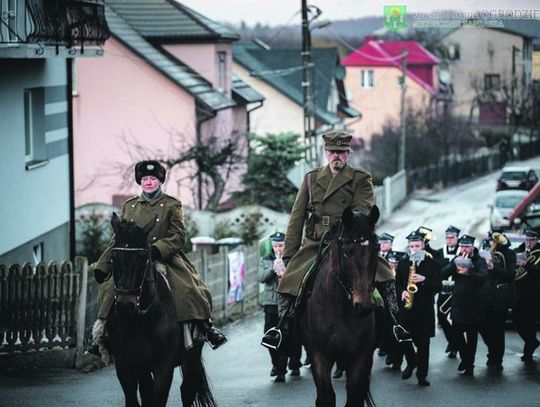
[395, 17]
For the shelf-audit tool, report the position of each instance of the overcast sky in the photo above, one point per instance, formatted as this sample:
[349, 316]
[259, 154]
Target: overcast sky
[276, 12]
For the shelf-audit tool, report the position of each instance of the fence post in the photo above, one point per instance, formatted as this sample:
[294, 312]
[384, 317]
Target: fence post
[387, 183]
[225, 273]
[81, 267]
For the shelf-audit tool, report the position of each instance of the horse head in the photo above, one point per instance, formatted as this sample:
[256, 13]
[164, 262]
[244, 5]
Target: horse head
[130, 262]
[358, 245]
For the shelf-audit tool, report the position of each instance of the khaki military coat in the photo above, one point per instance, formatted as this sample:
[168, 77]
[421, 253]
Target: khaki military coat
[330, 195]
[191, 296]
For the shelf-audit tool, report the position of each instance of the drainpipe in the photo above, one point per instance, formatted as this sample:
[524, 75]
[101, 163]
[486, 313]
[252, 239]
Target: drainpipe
[248, 124]
[69, 67]
[201, 118]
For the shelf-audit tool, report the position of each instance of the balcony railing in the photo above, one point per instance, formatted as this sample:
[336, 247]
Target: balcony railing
[69, 23]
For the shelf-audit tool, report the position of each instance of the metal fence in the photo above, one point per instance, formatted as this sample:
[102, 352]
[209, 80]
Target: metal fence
[392, 193]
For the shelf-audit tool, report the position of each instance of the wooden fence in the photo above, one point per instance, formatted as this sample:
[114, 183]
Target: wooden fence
[41, 306]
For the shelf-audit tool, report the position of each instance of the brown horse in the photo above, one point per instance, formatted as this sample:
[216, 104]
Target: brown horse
[338, 322]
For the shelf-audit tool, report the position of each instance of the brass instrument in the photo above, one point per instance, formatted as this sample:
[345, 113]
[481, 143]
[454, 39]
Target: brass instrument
[533, 257]
[412, 288]
[498, 257]
[445, 307]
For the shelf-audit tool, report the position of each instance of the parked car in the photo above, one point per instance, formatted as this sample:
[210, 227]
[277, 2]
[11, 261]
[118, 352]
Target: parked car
[517, 178]
[503, 203]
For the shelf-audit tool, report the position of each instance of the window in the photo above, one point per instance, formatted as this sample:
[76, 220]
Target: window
[222, 71]
[38, 252]
[28, 126]
[34, 133]
[453, 52]
[492, 81]
[333, 98]
[366, 78]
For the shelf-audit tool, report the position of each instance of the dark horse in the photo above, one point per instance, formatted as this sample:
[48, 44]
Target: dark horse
[144, 335]
[338, 322]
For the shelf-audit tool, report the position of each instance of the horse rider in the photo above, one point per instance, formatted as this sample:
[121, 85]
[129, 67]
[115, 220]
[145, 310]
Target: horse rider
[324, 194]
[445, 255]
[192, 299]
[527, 306]
[419, 272]
[469, 272]
[501, 268]
[271, 268]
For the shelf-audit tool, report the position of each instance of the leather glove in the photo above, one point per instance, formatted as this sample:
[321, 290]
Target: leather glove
[154, 253]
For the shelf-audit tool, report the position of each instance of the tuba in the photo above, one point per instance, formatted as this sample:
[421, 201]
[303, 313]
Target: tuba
[412, 288]
[498, 257]
[533, 257]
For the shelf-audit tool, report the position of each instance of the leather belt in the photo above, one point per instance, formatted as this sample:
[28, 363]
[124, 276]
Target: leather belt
[327, 220]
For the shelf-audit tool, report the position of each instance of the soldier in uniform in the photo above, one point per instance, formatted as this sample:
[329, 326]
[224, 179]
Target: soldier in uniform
[416, 312]
[469, 273]
[271, 268]
[192, 299]
[445, 255]
[324, 194]
[386, 241]
[527, 305]
[500, 297]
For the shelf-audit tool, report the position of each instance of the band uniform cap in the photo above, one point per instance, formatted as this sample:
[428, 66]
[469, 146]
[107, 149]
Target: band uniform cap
[531, 234]
[415, 235]
[337, 140]
[394, 256]
[452, 230]
[149, 167]
[277, 237]
[386, 237]
[466, 240]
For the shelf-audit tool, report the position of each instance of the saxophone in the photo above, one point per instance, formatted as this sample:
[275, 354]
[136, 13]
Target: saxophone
[412, 288]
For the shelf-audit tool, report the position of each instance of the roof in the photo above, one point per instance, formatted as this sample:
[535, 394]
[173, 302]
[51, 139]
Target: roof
[282, 69]
[175, 70]
[243, 93]
[522, 27]
[378, 53]
[168, 19]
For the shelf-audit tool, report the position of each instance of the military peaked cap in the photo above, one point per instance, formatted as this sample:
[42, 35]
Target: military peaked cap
[466, 240]
[386, 237]
[452, 230]
[277, 237]
[531, 234]
[150, 167]
[337, 140]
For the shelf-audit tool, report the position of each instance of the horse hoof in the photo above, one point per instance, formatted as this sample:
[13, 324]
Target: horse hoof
[423, 382]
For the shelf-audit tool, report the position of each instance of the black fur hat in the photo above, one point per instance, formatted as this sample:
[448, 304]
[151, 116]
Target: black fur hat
[150, 167]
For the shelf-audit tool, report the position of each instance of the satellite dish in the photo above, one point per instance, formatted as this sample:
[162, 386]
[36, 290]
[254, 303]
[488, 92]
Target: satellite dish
[340, 72]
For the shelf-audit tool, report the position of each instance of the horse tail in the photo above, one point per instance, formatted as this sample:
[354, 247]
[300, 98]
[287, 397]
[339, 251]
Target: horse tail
[196, 390]
[369, 398]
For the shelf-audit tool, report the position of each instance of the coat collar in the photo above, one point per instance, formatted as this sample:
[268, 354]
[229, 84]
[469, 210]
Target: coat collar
[330, 183]
[153, 201]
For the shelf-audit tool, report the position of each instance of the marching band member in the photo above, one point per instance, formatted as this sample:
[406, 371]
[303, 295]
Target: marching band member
[418, 279]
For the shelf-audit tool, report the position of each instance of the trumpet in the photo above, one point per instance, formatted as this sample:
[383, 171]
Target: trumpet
[412, 288]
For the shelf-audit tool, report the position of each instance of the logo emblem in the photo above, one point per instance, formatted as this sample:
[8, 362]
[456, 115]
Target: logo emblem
[395, 17]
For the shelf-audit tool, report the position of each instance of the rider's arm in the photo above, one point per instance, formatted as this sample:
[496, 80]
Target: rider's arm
[293, 238]
[364, 194]
[175, 239]
[103, 267]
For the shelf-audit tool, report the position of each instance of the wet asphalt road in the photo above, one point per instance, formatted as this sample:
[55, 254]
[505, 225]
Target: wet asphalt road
[239, 373]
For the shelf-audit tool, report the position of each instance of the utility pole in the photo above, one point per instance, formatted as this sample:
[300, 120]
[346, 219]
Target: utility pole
[307, 87]
[403, 138]
[513, 88]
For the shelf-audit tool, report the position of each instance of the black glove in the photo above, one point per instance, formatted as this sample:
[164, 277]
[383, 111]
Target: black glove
[154, 253]
[100, 276]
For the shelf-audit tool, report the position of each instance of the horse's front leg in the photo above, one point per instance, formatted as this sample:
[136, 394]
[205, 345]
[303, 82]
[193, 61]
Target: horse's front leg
[358, 375]
[146, 388]
[321, 368]
[163, 376]
[127, 376]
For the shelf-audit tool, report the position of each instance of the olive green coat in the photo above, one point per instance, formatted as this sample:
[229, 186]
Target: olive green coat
[330, 196]
[192, 299]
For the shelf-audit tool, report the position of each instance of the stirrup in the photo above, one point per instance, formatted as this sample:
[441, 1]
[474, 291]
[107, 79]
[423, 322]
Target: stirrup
[272, 338]
[401, 334]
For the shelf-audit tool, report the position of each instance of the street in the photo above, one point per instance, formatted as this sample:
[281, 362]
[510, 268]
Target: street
[239, 371]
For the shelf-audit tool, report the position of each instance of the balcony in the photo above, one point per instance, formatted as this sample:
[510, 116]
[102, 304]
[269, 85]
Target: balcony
[45, 28]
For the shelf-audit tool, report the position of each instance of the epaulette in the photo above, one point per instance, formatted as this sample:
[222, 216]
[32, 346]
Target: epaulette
[360, 169]
[314, 170]
[131, 199]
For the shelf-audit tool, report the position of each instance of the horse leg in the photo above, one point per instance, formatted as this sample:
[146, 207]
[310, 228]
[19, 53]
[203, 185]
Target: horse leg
[163, 375]
[146, 388]
[128, 381]
[195, 388]
[358, 375]
[321, 368]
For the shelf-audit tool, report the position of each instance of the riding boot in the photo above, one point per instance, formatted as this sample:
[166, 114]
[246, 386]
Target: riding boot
[274, 337]
[214, 336]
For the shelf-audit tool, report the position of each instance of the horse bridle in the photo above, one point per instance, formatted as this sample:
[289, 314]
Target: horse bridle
[340, 242]
[137, 292]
